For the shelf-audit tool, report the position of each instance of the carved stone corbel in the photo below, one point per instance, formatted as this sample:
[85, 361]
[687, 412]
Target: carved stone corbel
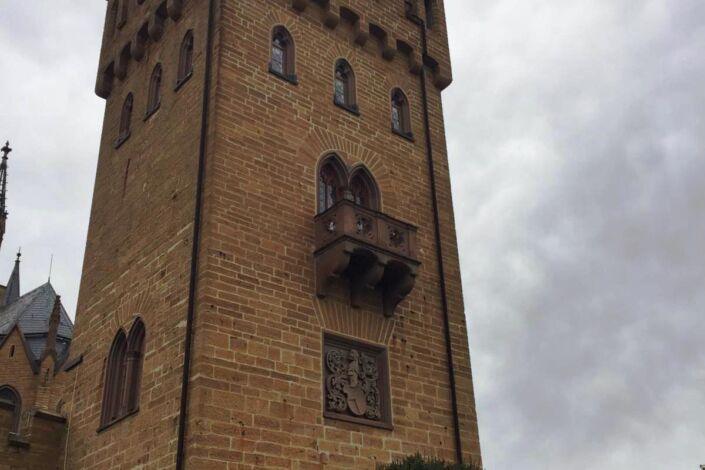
[331, 264]
[138, 45]
[397, 286]
[366, 272]
[156, 26]
[299, 5]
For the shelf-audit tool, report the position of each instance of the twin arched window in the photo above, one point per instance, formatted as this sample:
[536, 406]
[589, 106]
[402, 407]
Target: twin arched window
[185, 59]
[335, 184]
[344, 86]
[123, 374]
[401, 120]
[10, 398]
[154, 97]
[283, 61]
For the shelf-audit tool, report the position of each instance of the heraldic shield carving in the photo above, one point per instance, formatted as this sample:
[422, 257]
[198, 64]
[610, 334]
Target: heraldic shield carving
[356, 382]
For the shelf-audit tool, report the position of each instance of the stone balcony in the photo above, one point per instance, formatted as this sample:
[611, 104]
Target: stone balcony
[374, 254]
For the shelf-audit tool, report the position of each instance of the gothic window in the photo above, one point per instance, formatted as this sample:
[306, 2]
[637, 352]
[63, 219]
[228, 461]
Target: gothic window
[331, 183]
[356, 382]
[9, 398]
[123, 375]
[401, 119]
[114, 381]
[282, 61]
[135, 353]
[155, 85]
[185, 59]
[125, 120]
[344, 87]
[363, 189]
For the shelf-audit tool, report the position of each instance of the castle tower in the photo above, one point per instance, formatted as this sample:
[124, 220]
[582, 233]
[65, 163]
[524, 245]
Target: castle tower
[271, 277]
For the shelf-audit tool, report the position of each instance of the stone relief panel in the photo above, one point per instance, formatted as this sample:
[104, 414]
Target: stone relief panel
[356, 382]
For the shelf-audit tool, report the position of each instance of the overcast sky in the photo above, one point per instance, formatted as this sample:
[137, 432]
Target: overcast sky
[576, 137]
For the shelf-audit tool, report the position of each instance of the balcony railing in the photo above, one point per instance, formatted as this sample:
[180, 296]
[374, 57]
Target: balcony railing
[373, 252]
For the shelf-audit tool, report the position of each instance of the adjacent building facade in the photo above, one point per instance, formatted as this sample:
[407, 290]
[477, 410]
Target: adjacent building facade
[271, 277]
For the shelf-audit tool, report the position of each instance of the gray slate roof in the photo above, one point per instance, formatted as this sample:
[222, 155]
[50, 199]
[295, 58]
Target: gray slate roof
[31, 313]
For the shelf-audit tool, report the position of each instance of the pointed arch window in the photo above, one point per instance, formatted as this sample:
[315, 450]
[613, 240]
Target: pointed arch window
[123, 375]
[125, 120]
[185, 59]
[344, 86]
[282, 62]
[364, 189]
[154, 97]
[401, 119]
[11, 399]
[331, 183]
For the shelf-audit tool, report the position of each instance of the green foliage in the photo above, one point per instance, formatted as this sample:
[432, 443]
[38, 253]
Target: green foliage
[417, 462]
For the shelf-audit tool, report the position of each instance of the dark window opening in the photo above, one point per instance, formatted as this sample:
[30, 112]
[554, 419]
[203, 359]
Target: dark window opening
[344, 86]
[185, 59]
[331, 183]
[364, 190]
[123, 375]
[11, 399]
[401, 119]
[12, 351]
[155, 84]
[282, 62]
[125, 121]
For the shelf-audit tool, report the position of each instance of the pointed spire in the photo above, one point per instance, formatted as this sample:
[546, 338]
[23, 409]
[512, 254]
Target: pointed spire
[12, 291]
[54, 321]
[3, 189]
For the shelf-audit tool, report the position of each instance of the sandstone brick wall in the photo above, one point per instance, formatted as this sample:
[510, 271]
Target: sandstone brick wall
[138, 252]
[16, 370]
[257, 380]
[46, 443]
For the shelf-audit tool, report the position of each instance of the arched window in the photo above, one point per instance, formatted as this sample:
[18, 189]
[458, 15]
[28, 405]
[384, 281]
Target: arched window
[401, 120]
[185, 59]
[344, 87]
[364, 189]
[123, 375]
[155, 84]
[135, 356]
[11, 399]
[331, 183]
[125, 121]
[282, 62]
[113, 386]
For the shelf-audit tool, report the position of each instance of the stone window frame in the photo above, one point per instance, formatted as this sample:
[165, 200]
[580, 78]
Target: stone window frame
[185, 70]
[399, 103]
[281, 39]
[381, 354]
[344, 76]
[14, 402]
[344, 187]
[125, 120]
[123, 375]
[154, 94]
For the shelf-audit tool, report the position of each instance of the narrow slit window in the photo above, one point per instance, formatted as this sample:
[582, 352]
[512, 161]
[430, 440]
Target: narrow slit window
[185, 59]
[155, 85]
[125, 120]
[344, 86]
[282, 61]
[401, 121]
[364, 189]
[331, 181]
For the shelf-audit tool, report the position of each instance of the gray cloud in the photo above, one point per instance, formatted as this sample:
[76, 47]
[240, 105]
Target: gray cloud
[575, 131]
[579, 195]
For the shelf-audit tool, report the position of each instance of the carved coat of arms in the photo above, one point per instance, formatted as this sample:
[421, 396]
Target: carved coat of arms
[352, 386]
